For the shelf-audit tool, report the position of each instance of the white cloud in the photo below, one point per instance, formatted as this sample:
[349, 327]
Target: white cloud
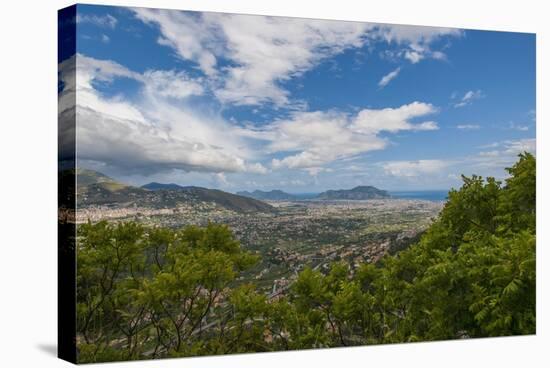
[221, 179]
[269, 50]
[388, 77]
[318, 138]
[185, 33]
[106, 21]
[438, 55]
[413, 56]
[468, 127]
[89, 71]
[105, 38]
[417, 41]
[172, 84]
[148, 134]
[394, 119]
[489, 162]
[468, 98]
[516, 147]
[100, 70]
[256, 168]
[427, 125]
[314, 139]
[262, 52]
[503, 154]
[413, 168]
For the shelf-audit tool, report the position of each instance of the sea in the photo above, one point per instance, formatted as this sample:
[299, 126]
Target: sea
[427, 195]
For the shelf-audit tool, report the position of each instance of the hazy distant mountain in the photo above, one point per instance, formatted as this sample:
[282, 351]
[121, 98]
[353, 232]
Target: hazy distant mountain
[272, 195]
[95, 188]
[357, 193]
[160, 186]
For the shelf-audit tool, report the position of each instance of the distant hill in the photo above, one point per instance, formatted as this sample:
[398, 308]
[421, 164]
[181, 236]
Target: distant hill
[231, 201]
[272, 195]
[86, 177]
[160, 186]
[95, 188]
[357, 193]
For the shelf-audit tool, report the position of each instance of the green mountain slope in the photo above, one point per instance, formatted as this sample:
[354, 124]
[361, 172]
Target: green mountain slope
[95, 188]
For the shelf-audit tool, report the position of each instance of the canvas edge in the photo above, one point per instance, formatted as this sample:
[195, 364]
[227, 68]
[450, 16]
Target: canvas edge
[66, 252]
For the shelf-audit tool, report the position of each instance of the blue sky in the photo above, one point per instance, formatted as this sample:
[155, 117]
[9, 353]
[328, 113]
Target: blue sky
[253, 102]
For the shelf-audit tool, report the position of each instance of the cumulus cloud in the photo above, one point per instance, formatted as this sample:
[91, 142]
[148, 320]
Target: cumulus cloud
[394, 119]
[468, 98]
[413, 168]
[314, 139]
[261, 52]
[388, 78]
[149, 134]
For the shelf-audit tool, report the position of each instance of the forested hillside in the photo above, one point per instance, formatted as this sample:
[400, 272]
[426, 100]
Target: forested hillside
[147, 292]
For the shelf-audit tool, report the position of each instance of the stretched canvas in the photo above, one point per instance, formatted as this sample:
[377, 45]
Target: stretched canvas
[247, 183]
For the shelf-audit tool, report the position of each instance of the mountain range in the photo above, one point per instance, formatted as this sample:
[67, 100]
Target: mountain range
[95, 188]
[358, 193]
